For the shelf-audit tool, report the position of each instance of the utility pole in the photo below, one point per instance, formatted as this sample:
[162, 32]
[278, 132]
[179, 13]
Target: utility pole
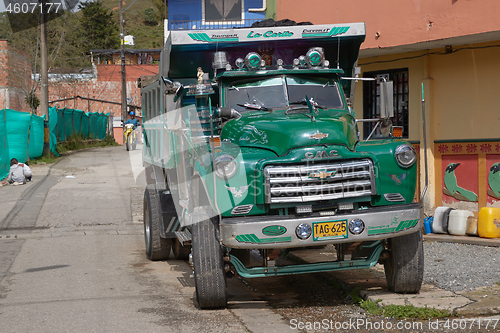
[122, 57]
[44, 92]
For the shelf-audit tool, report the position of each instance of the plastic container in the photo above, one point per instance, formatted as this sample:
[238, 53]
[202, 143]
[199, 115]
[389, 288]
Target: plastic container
[440, 224]
[457, 222]
[488, 223]
[428, 225]
[471, 229]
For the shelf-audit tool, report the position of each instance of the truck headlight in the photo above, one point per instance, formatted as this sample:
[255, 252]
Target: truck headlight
[225, 166]
[405, 155]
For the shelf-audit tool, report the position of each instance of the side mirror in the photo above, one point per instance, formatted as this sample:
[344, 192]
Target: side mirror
[386, 99]
[385, 126]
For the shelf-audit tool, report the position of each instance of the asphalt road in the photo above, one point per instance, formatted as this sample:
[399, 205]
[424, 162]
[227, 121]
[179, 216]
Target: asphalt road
[72, 260]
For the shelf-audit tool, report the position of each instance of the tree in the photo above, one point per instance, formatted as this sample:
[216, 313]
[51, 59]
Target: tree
[66, 44]
[150, 16]
[160, 6]
[101, 30]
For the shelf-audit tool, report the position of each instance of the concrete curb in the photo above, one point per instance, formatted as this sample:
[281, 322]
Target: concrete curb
[473, 240]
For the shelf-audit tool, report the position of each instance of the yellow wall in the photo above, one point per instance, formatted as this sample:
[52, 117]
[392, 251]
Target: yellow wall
[461, 95]
[467, 93]
[461, 90]
[415, 76]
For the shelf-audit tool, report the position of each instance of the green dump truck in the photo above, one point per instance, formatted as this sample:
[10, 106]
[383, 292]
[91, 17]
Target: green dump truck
[251, 150]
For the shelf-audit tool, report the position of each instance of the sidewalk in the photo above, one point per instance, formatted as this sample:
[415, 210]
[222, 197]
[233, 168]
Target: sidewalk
[483, 301]
[10, 194]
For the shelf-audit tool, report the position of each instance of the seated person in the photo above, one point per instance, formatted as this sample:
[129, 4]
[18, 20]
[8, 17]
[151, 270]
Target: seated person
[19, 172]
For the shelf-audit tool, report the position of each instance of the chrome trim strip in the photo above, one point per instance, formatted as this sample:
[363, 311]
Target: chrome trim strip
[394, 197]
[241, 210]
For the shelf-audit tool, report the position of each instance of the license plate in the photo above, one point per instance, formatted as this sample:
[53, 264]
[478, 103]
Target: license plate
[329, 230]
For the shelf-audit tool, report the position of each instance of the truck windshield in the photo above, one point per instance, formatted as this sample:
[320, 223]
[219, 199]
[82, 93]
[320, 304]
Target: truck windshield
[283, 92]
[323, 91]
[267, 94]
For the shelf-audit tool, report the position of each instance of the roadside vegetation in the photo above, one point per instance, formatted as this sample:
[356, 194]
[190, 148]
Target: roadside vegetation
[397, 311]
[74, 142]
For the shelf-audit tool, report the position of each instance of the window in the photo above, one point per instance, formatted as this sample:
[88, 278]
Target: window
[371, 100]
[222, 10]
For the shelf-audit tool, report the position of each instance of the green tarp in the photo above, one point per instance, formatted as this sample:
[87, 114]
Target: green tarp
[4, 153]
[52, 130]
[72, 122]
[35, 145]
[18, 134]
[21, 133]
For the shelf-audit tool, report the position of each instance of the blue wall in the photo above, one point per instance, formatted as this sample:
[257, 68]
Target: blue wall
[191, 10]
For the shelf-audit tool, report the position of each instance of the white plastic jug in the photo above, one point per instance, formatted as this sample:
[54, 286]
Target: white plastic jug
[457, 222]
[440, 225]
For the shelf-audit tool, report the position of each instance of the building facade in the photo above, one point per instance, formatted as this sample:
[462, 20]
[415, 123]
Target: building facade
[446, 52]
[213, 14]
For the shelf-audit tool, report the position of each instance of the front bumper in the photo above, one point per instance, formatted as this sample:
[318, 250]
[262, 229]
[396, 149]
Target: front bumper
[380, 223]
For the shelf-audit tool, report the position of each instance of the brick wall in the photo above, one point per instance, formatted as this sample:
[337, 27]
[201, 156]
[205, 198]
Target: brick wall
[102, 90]
[15, 78]
[15, 81]
[107, 86]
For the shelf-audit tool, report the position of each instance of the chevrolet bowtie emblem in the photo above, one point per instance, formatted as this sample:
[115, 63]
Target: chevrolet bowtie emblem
[318, 136]
[322, 174]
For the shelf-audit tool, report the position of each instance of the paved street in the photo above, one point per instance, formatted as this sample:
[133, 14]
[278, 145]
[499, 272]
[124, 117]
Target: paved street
[72, 260]
[72, 257]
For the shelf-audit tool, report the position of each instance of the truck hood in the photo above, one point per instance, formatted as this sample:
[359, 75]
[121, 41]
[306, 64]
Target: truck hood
[280, 133]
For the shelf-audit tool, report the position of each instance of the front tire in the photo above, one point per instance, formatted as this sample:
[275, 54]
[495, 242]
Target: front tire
[157, 248]
[209, 277]
[404, 269]
[133, 142]
[128, 142]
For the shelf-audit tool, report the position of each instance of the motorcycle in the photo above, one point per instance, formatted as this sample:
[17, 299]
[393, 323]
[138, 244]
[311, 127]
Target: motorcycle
[130, 137]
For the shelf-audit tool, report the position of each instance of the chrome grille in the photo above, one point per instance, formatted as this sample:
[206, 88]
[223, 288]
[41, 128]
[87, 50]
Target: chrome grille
[316, 182]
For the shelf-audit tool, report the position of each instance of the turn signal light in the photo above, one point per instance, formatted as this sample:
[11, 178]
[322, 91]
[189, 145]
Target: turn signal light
[216, 142]
[397, 131]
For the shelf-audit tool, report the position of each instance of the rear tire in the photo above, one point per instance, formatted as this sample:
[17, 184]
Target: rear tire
[209, 275]
[181, 252]
[157, 248]
[404, 269]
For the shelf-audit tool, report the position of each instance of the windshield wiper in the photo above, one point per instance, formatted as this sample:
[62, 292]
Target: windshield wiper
[303, 102]
[254, 107]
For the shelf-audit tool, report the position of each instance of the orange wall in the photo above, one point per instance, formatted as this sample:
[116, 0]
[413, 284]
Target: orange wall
[399, 22]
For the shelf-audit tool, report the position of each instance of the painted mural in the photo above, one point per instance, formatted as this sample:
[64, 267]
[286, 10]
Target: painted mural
[469, 174]
[493, 190]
